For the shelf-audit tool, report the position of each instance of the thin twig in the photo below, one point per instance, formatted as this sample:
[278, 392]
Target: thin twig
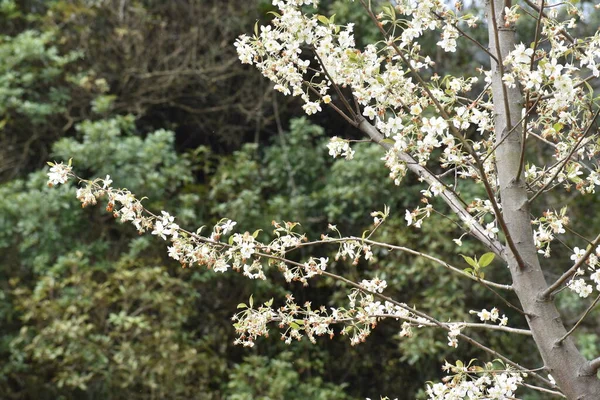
[531, 64]
[541, 389]
[469, 37]
[585, 314]
[414, 252]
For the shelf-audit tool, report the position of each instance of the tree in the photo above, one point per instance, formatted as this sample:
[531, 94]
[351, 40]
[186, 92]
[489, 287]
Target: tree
[524, 135]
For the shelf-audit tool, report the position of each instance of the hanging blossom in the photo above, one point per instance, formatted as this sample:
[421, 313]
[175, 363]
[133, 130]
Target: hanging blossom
[340, 147]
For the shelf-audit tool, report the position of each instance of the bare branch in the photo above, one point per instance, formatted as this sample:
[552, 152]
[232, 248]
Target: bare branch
[585, 314]
[544, 390]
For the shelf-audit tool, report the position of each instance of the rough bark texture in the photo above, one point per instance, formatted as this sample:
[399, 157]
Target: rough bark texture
[564, 361]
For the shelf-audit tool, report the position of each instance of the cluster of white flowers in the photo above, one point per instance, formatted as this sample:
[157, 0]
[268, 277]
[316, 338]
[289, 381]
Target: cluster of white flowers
[165, 226]
[493, 315]
[475, 383]
[379, 82]
[580, 286]
[353, 250]
[340, 147]
[550, 224]
[578, 283]
[417, 216]
[374, 285]
[59, 173]
[453, 334]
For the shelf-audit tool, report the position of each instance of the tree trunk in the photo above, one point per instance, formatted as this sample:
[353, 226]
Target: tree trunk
[564, 361]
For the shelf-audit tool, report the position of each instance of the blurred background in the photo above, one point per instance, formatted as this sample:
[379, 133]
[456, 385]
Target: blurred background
[152, 93]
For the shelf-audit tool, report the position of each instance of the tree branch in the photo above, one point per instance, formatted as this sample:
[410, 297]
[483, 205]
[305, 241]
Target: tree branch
[548, 292]
[567, 159]
[592, 367]
[414, 252]
[450, 198]
[460, 137]
[585, 314]
[541, 389]
[531, 64]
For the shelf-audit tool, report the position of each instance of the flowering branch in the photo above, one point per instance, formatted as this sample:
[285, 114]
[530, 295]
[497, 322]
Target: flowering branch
[450, 198]
[564, 277]
[536, 41]
[414, 252]
[459, 136]
[566, 159]
[251, 322]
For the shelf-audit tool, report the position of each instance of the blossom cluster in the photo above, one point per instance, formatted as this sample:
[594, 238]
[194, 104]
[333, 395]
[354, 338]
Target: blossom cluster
[310, 55]
[380, 83]
[58, 174]
[475, 382]
[578, 283]
[550, 224]
[493, 315]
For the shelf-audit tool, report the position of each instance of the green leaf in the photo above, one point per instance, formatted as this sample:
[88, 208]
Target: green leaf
[470, 261]
[242, 305]
[557, 126]
[251, 301]
[256, 232]
[323, 19]
[269, 303]
[486, 259]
